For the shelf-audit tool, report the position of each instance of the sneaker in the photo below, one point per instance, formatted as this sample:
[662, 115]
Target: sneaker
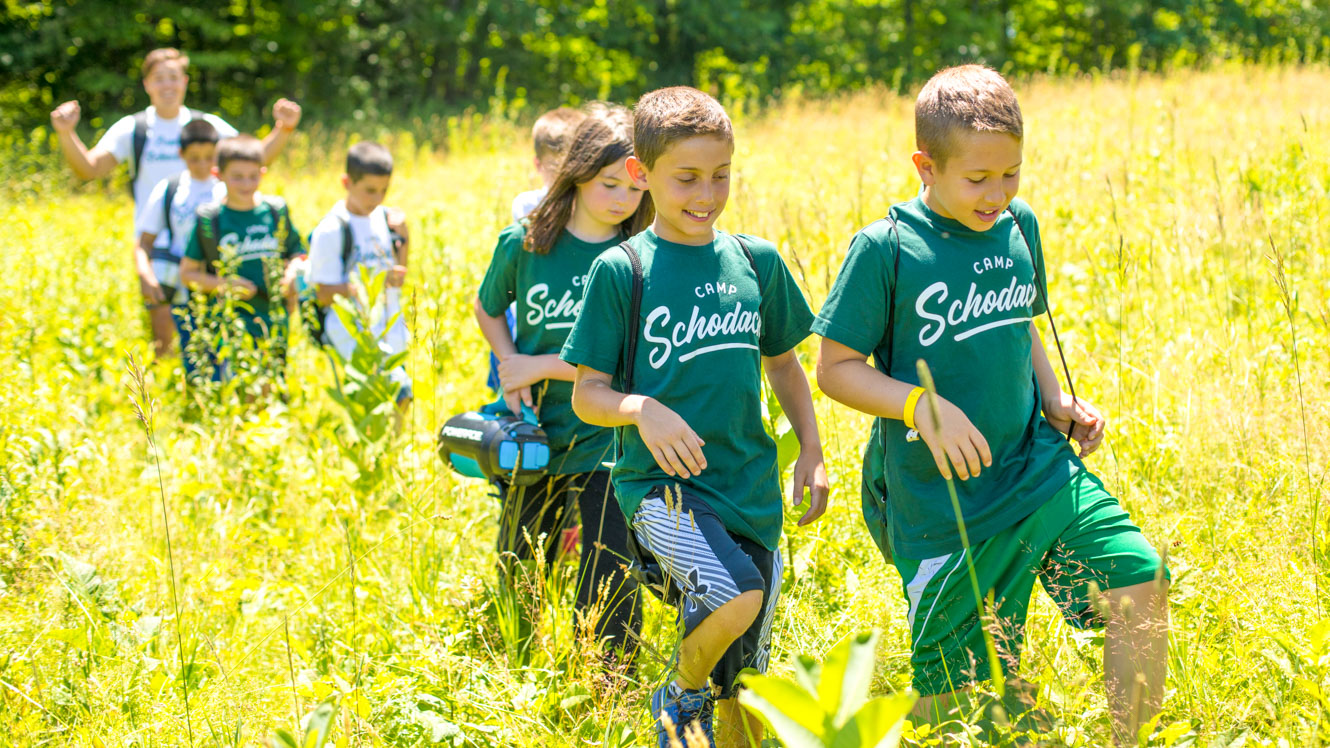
[683, 705]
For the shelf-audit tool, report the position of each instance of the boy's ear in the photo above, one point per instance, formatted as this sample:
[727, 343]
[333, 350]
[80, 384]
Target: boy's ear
[926, 166]
[263, 170]
[215, 172]
[637, 171]
[346, 181]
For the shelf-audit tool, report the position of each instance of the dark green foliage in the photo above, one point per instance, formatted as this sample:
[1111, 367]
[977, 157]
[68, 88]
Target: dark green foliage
[359, 59]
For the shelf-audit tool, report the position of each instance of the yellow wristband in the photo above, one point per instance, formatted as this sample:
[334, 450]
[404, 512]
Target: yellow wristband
[911, 403]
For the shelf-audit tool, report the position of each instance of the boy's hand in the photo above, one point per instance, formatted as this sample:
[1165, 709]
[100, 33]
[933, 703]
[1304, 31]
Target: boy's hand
[242, 288]
[397, 276]
[811, 473]
[516, 398]
[676, 447]
[65, 116]
[287, 286]
[520, 371]
[286, 114]
[954, 438]
[151, 290]
[1087, 424]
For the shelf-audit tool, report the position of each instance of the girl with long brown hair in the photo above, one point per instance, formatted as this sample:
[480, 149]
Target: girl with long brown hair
[541, 265]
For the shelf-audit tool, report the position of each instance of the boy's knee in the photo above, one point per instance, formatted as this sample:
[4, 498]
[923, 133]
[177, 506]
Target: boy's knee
[741, 611]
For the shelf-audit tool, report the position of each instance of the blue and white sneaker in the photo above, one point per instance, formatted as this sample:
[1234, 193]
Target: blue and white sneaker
[683, 705]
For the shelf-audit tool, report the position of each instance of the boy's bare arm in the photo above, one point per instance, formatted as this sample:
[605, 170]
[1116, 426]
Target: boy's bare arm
[87, 164]
[286, 115]
[193, 275]
[326, 293]
[1086, 423]
[790, 384]
[149, 286]
[676, 448]
[844, 374]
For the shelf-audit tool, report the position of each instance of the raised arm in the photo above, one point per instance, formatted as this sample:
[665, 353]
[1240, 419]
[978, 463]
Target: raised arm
[87, 164]
[286, 115]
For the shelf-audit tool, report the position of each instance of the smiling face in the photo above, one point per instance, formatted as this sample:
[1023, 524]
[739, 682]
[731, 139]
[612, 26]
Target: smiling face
[977, 181]
[242, 181]
[166, 84]
[199, 159]
[365, 194]
[605, 201]
[689, 183]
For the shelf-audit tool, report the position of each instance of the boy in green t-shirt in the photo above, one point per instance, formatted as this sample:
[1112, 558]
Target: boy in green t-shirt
[682, 381]
[250, 240]
[955, 278]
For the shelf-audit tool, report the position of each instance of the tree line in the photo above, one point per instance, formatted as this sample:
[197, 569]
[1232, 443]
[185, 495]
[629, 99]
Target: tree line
[349, 60]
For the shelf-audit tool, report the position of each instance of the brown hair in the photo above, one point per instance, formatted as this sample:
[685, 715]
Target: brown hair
[966, 97]
[553, 131]
[198, 131]
[165, 54]
[604, 138]
[667, 115]
[242, 147]
[368, 158]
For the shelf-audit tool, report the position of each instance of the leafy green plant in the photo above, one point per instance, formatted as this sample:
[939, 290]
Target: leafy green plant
[828, 703]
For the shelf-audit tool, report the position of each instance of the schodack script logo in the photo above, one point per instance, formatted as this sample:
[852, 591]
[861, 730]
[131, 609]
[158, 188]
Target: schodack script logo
[738, 323]
[932, 306]
[554, 314]
[258, 242]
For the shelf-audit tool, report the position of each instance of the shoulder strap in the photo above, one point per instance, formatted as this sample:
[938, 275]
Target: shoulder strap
[140, 141]
[751, 262]
[1039, 287]
[634, 312]
[206, 227]
[172, 186]
[890, 218]
[348, 244]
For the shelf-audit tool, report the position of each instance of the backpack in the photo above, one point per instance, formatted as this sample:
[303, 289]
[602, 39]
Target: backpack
[313, 316]
[140, 142]
[873, 484]
[172, 186]
[642, 566]
[206, 228]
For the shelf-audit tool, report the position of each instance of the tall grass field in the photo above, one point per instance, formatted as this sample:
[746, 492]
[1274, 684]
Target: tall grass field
[314, 577]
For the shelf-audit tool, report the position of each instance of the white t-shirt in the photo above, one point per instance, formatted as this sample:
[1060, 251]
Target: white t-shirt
[526, 202]
[189, 197]
[161, 151]
[372, 247]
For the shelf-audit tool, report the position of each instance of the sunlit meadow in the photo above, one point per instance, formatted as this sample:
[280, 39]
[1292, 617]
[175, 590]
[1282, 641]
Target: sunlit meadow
[1184, 220]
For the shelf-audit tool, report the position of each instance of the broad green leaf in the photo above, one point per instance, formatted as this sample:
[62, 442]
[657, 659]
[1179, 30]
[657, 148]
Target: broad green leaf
[847, 674]
[787, 709]
[877, 725]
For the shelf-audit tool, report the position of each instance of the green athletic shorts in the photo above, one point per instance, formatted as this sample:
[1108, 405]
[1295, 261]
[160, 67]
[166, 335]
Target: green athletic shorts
[1081, 535]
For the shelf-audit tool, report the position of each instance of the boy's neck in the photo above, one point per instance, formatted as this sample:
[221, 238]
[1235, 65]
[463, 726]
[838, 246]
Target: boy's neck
[240, 202]
[167, 113]
[667, 232]
[203, 177]
[355, 209]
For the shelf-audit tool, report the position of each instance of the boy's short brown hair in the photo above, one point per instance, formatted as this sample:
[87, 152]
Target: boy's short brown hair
[165, 54]
[667, 115]
[243, 147]
[553, 131]
[368, 158]
[966, 97]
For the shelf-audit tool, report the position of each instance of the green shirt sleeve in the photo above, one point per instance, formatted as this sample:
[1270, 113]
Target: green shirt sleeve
[295, 245]
[1029, 227]
[598, 336]
[856, 310]
[499, 288]
[786, 317]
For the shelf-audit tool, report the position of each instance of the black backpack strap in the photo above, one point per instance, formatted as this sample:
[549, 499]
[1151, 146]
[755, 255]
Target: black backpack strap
[206, 228]
[172, 186]
[891, 302]
[348, 245]
[1039, 287]
[140, 142]
[626, 374]
[751, 262]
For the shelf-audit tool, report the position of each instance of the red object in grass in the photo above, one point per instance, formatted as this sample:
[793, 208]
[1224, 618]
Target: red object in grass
[571, 537]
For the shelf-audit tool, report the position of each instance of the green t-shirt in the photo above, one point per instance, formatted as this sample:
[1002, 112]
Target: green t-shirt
[548, 291]
[963, 302]
[252, 235]
[705, 323]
